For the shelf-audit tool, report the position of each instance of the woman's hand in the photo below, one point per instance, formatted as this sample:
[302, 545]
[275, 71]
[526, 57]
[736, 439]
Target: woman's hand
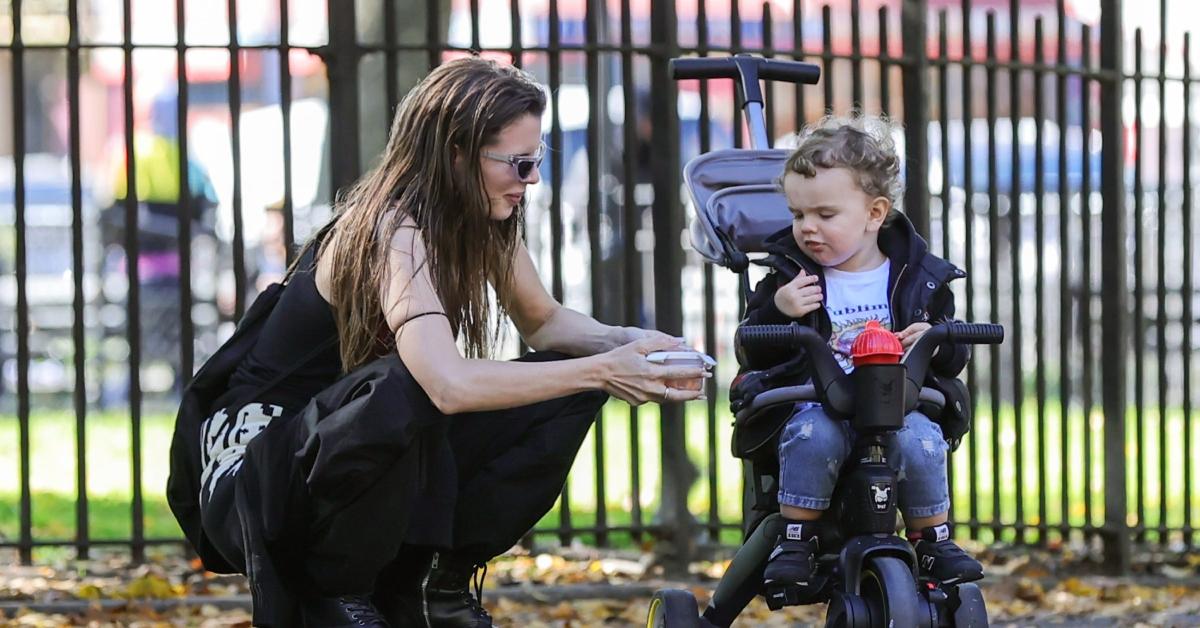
[800, 296]
[625, 335]
[629, 376]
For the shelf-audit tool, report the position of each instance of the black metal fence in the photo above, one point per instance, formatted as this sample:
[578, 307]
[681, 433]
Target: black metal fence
[1029, 164]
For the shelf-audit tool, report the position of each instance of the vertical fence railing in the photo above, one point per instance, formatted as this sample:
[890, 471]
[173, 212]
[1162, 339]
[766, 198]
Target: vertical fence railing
[133, 302]
[710, 325]
[342, 56]
[1046, 205]
[677, 470]
[25, 538]
[1162, 239]
[1065, 311]
[1041, 288]
[1088, 287]
[1115, 348]
[915, 70]
[968, 217]
[78, 304]
[1187, 287]
[597, 110]
[943, 105]
[631, 223]
[993, 280]
[1015, 336]
[1139, 321]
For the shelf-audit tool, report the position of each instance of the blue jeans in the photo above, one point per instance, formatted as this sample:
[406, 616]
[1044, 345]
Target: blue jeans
[813, 447]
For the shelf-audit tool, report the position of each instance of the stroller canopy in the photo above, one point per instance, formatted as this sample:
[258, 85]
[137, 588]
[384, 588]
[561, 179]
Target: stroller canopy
[736, 200]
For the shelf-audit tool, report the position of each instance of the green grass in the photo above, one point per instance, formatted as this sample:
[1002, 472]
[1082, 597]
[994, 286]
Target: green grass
[53, 473]
[53, 457]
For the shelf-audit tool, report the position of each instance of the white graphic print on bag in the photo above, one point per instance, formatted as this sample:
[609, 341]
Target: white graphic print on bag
[224, 441]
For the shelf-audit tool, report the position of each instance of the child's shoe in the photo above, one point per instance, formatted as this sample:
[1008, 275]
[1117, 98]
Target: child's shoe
[792, 564]
[941, 559]
[793, 560]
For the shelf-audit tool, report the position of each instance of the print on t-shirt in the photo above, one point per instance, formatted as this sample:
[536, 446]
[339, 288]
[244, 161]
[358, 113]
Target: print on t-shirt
[852, 299]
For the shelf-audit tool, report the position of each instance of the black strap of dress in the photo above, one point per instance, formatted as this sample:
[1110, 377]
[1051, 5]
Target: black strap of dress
[311, 355]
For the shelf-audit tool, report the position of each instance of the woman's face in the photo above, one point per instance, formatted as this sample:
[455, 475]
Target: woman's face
[501, 184]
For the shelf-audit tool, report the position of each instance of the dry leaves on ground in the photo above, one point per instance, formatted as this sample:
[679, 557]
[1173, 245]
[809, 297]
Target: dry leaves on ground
[1026, 587]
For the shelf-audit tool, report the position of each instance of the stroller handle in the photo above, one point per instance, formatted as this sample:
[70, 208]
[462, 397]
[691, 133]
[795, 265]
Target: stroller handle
[734, 68]
[831, 382]
[747, 70]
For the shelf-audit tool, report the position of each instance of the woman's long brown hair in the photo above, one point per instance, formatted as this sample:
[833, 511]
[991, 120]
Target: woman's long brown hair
[458, 108]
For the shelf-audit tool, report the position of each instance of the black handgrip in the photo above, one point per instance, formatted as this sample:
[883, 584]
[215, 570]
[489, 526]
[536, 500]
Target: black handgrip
[790, 71]
[727, 67]
[703, 68]
[772, 346]
[764, 346]
[975, 333]
[757, 337]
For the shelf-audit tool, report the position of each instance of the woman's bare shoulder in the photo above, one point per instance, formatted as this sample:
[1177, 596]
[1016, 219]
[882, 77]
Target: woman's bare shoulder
[406, 246]
[405, 238]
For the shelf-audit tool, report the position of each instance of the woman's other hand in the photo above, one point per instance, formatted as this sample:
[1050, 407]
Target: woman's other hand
[634, 379]
[625, 335]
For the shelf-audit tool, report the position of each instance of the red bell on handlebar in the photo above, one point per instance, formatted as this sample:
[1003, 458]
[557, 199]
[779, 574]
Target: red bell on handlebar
[876, 345]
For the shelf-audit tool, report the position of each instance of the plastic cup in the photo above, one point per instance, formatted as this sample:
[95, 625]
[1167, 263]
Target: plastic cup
[683, 358]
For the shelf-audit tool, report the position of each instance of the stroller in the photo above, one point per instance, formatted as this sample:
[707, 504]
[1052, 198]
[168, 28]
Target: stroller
[869, 576]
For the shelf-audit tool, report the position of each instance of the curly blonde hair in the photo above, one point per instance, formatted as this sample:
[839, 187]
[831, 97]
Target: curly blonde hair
[860, 143]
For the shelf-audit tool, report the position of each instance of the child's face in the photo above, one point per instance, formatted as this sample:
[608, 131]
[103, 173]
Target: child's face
[833, 221]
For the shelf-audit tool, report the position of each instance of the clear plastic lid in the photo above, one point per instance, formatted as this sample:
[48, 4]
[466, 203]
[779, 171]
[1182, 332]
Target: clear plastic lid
[664, 357]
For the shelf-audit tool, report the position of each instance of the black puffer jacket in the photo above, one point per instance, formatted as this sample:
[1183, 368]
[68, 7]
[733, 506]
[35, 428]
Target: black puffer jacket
[919, 290]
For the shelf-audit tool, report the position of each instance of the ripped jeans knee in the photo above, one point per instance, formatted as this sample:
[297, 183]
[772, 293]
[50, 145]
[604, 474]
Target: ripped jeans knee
[813, 447]
[918, 453]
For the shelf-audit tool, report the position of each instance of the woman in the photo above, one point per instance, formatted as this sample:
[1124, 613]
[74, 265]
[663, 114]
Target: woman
[387, 465]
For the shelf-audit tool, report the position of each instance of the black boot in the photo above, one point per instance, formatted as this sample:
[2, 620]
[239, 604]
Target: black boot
[442, 598]
[343, 611]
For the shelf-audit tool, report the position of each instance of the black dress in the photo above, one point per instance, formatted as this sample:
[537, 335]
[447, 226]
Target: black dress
[314, 486]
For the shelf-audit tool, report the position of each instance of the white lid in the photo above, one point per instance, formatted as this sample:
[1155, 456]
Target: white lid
[690, 356]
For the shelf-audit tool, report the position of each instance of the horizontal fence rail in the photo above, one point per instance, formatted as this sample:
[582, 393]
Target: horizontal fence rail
[1050, 168]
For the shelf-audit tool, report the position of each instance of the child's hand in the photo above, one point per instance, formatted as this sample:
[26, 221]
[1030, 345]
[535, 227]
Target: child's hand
[911, 333]
[799, 296]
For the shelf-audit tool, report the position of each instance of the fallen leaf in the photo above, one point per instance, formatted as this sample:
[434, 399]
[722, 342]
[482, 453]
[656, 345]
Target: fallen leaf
[1030, 590]
[88, 592]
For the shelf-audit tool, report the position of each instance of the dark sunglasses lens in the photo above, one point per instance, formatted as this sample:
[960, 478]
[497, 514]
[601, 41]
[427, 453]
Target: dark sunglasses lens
[525, 167]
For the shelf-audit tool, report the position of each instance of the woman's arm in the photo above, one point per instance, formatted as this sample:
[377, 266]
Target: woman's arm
[455, 384]
[547, 325]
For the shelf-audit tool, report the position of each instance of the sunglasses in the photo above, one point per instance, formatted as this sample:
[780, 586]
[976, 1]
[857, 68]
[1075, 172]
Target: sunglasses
[523, 165]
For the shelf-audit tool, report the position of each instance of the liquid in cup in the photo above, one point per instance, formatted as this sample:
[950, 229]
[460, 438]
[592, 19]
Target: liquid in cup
[683, 358]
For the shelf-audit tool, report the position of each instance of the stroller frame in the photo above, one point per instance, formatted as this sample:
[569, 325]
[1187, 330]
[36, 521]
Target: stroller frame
[737, 204]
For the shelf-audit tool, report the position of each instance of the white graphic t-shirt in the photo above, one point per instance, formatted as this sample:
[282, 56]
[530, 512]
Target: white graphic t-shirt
[852, 299]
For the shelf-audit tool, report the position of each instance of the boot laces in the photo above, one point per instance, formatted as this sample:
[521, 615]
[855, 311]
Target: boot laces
[478, 575]
[361, 609]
